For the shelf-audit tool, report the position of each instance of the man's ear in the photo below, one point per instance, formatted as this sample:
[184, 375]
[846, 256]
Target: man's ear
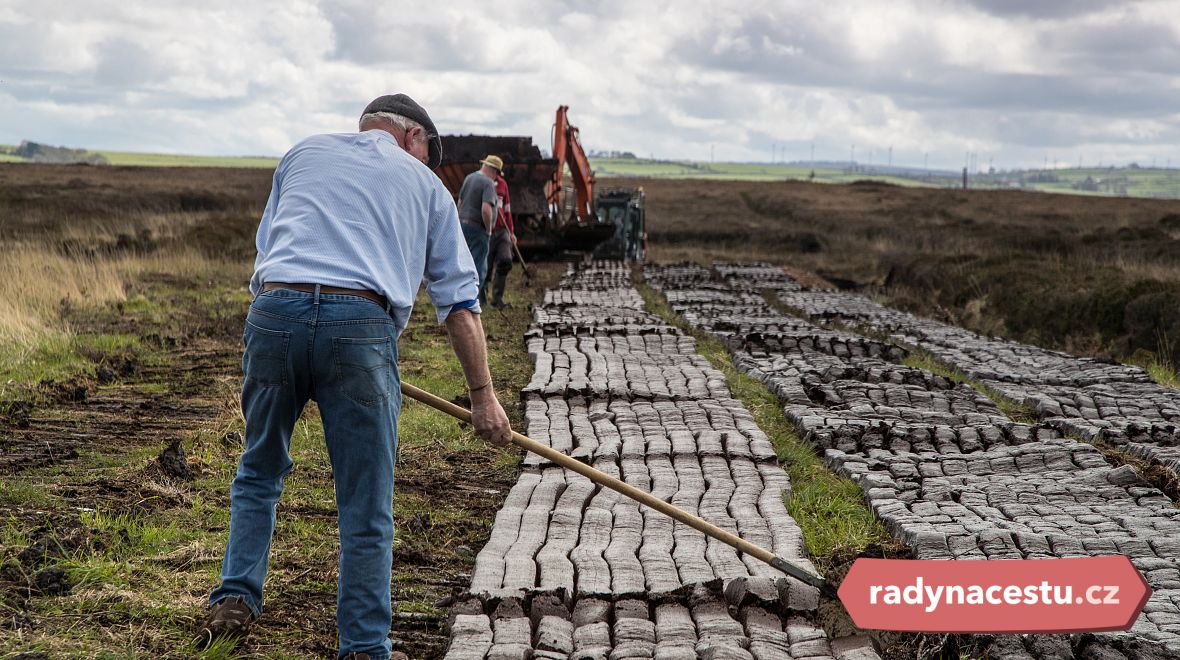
[416, 133]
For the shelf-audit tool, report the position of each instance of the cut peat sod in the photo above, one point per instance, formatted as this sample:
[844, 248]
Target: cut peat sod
[605, 480]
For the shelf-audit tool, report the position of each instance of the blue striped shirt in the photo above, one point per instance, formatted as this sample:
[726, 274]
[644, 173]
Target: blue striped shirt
[354, 210]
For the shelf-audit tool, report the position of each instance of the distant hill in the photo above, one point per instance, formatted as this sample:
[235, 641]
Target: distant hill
[1133, 181]
[36, 152]
[24, 154]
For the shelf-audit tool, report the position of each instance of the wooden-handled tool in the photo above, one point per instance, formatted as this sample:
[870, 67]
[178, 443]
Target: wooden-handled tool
[528, 274]
[603, 479]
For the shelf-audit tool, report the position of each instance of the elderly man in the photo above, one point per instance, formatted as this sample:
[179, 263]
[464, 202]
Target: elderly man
[354, 223]
[477, 212]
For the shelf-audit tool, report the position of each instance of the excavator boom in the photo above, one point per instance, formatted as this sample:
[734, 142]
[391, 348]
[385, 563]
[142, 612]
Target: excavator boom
[567, 149]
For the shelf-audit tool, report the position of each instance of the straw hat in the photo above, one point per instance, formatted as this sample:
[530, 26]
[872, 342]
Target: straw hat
[493, 161]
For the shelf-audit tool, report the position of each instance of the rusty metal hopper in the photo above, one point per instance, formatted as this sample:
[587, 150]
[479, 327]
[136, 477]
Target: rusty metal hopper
[539, 228]
[525, 170]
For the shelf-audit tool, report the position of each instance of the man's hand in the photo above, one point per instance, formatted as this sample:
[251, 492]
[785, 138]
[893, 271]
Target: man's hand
[513, 237]
[489, 418]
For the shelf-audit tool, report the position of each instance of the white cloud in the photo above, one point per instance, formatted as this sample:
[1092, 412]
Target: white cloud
[671, 79]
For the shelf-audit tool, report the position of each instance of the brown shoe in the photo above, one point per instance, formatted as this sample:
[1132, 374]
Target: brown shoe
[230, 617]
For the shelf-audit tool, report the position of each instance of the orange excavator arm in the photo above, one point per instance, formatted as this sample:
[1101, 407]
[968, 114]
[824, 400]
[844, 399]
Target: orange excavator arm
[567, 149]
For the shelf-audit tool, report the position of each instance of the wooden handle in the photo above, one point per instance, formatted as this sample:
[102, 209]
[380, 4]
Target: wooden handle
[604, 479]
[520, 256]
[523, 265]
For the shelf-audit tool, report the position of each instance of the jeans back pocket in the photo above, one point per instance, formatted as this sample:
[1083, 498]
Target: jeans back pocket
[364, 368]
[265, 360]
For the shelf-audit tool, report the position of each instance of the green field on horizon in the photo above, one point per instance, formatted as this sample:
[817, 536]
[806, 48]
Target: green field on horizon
[670, 169]
[182, 160]
[142, 159]
[1107, 181]
[1121, 181]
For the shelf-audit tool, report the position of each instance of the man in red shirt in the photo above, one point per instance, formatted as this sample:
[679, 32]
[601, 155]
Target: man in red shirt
[503, 240]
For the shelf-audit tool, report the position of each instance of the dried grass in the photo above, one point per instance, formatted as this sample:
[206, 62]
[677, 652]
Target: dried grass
[40, 281]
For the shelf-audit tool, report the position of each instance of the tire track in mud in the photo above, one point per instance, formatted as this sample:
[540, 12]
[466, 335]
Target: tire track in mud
[80, 416]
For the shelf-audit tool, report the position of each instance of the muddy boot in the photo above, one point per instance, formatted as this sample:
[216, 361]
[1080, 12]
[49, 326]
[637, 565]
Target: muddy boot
[230, 618]
[395, 655]
[499, 282]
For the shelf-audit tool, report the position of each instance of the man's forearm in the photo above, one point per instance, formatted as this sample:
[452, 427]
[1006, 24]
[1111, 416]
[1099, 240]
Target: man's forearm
[467, 339]
[489, 216]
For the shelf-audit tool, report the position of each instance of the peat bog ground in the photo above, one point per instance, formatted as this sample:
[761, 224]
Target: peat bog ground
[120, 327]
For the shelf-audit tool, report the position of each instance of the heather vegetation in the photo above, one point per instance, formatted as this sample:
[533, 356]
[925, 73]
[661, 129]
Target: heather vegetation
[1093, 276]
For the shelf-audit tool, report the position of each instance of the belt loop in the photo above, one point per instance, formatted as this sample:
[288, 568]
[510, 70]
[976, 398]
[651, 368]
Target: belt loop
[316, 299]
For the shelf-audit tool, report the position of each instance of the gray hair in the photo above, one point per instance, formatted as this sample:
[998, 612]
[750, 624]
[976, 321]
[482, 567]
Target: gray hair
[401, 122]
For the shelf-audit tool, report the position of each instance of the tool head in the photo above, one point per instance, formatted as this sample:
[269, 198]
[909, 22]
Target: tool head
[800, 574]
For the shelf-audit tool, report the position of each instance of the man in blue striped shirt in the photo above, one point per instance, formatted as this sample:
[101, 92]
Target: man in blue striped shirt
[355, 222]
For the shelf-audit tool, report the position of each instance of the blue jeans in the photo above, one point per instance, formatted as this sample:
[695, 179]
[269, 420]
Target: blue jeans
[340, 351]
[478, 242]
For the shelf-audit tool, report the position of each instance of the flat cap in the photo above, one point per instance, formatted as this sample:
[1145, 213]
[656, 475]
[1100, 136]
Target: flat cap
[400, 104]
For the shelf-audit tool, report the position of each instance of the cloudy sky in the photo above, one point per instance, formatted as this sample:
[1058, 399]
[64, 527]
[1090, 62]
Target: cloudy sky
[1017, 82]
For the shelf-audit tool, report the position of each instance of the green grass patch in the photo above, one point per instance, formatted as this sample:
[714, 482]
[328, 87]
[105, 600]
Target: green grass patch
[138, 536]
[61, 355]
[1160, 369]
[108, 342]
[830, 509]
[99, 459]
[14, 533]
[1017, 411]
[1163, 374]
[52, 355]
[919, 359]
[17, 493]
[61, 352]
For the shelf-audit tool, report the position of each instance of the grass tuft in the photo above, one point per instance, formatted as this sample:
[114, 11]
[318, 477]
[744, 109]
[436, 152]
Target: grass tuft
[1159, 368]
[1017, 411]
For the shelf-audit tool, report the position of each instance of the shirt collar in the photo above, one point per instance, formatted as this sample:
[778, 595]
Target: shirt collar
[384, 135]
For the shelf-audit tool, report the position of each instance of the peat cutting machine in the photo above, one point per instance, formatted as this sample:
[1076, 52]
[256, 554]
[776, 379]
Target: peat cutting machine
[554, 214]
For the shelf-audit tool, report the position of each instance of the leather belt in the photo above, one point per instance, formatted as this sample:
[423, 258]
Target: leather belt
[310, 288]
